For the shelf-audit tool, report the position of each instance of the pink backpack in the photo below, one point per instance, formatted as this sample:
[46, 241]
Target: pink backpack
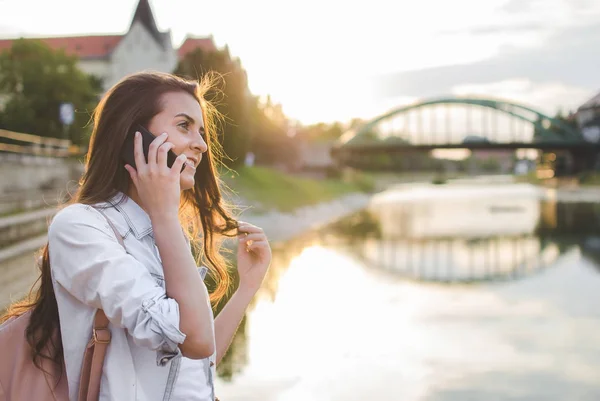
[21, 380]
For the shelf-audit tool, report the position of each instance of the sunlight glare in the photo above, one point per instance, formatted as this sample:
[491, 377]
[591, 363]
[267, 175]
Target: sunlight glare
[323, 288]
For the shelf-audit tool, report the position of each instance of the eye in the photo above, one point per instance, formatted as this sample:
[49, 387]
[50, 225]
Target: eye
[184, 124]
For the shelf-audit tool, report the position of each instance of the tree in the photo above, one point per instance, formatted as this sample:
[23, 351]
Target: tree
[232, 97]
[271, 143]
[568, 120]
[322, 132]
[553, 128]
[35, 80]
[250, 125]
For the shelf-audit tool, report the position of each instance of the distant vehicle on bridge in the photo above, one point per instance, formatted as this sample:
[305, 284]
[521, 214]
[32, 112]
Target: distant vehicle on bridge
[475, 139]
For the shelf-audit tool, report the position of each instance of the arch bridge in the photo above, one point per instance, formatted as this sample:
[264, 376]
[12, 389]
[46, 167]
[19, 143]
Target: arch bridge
[461, 123]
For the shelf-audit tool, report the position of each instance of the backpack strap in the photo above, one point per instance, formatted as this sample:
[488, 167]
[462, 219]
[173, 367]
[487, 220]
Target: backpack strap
[93, 359]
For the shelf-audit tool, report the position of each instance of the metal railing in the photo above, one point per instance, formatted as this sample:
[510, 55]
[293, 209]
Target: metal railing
[28, 144]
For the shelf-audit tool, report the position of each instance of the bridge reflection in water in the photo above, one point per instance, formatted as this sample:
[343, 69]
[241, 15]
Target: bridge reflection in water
[320, 299]
[454, 260]
[466, 235]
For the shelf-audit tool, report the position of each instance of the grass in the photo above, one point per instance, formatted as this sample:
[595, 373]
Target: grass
[266, 189]
[531, 178]
[589, 179]
[15, 211]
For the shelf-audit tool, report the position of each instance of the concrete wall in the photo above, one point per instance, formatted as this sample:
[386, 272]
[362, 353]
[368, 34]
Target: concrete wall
[25, 173]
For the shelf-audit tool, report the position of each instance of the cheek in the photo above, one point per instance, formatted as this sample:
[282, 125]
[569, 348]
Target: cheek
[176, 139]
[186, 180]
[174, 136]
[156, 126]
[180, 144]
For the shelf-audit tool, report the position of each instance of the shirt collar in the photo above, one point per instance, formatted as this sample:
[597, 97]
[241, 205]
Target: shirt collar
[137, 219]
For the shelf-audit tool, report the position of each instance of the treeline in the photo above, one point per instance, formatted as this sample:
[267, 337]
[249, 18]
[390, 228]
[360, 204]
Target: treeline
[35, 80]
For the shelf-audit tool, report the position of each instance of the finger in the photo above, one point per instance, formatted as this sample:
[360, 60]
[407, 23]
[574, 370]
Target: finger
[152, 151]
[259, 245]
[248, 228]
[178, 165]
[252, 237]
[162, 153]
[138, 152]
[132, 173]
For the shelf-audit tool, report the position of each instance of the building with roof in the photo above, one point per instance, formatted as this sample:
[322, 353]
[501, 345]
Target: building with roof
[588, 119]
[113, 56]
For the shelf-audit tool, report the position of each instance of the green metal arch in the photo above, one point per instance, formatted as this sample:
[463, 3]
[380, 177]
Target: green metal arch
[504, 106]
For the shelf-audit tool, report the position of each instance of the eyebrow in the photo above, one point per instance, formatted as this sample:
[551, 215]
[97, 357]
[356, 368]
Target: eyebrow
[189, 118]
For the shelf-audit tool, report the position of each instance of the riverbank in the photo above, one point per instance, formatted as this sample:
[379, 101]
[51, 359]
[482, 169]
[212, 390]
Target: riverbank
[283, 226]
[18, 271]
[264, 189]
[583, 180]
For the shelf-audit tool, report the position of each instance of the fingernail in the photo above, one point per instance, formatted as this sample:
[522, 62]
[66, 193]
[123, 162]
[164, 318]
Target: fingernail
[137, 134]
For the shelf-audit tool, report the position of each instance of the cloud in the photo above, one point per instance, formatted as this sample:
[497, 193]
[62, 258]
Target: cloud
[534, 6]
[568, 59]
[521, 6]
[547, 97]
[501, 29]
[10, 31]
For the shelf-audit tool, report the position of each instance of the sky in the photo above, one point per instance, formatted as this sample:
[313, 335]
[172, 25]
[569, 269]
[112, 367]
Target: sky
[333, 60]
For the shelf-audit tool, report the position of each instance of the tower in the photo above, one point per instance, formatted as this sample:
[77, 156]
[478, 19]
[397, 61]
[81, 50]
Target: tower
[143, 14]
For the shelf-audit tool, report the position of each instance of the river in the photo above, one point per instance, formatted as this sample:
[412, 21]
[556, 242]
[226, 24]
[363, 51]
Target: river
[475, 290]
[433, 293]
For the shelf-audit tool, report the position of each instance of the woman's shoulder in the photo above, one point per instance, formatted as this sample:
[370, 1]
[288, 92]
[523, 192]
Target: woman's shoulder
[78, 216]
[81, 216]
[76, 213]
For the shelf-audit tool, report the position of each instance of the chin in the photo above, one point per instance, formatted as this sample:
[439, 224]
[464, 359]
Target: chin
[187, 181]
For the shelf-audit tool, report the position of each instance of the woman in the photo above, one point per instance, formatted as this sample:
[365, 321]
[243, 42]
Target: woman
[165, 341]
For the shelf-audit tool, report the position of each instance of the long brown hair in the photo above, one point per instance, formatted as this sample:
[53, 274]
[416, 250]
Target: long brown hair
[136, 99]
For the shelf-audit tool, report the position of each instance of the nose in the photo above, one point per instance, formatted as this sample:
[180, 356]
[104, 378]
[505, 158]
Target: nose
[199, 144]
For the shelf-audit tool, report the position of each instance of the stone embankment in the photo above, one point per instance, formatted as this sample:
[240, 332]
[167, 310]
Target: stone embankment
[283, 226]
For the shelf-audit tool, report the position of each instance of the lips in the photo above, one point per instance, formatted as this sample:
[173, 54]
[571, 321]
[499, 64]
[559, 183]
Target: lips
[191, 162]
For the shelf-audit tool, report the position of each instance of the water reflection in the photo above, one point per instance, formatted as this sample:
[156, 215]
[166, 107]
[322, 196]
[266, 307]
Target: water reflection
[237, 356]
[331, 293]
[483, 238]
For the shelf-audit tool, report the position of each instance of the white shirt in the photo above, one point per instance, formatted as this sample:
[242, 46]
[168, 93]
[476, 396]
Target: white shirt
[91, 270]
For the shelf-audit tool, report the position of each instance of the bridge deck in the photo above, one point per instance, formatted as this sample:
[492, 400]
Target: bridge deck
[399, 148]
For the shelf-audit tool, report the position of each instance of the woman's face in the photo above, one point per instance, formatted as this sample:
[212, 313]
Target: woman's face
[181, 118]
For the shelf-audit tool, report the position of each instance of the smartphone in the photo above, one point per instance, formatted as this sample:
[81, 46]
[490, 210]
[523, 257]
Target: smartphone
[147, 138]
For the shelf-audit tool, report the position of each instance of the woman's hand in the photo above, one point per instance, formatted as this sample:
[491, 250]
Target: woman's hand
[157, 185]
[253, 256]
